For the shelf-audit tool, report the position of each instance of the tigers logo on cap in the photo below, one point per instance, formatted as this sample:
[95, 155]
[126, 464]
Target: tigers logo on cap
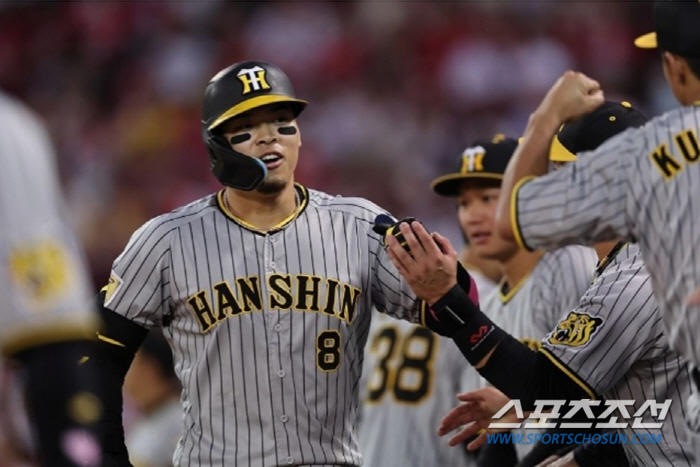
[484, 159]
[253, 79]
[473, 159]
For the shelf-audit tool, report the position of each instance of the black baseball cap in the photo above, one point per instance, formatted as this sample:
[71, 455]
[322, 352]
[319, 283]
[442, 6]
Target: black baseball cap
[676, 28]
[485, 158]
[592, 130]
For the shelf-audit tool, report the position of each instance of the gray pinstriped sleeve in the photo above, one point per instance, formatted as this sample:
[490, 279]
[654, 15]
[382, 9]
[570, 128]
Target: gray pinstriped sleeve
[138, 278]
[583, 203]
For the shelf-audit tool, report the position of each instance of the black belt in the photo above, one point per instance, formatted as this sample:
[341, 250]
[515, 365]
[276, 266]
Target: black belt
[695, 375]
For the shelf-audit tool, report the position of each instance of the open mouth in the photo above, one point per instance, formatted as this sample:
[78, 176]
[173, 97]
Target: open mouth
[272, 160]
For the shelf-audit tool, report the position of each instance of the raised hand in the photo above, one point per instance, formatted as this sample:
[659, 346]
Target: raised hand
[572, 96]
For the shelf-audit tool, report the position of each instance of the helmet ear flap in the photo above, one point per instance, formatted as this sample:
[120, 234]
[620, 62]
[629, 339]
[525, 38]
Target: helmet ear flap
[231, 167]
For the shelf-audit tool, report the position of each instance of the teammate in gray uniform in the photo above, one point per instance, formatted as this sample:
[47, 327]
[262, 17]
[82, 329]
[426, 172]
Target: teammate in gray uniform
[46, 314]
[412, 376]
[264, 291]
[612, 344]
[536, 286]
[642, 184]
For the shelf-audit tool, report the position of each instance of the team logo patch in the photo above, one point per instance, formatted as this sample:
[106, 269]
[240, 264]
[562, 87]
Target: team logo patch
[112, 286]
[253, 79]
[41, 272]
[473, 159]
[576, 330]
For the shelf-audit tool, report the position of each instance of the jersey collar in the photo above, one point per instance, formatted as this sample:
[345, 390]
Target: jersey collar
[302, 195]
[506, 293]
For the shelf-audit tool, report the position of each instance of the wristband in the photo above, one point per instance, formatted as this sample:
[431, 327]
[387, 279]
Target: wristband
[473, 332]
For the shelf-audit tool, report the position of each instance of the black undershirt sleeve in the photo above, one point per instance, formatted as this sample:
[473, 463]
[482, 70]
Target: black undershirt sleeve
[521, 373]
[118, 342]
[512, 367]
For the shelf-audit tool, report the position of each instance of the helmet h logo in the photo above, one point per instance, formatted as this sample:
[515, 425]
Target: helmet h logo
[253, 79]
[473, 159]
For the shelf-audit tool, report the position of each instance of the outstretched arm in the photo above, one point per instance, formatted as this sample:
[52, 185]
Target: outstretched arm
[500, 358]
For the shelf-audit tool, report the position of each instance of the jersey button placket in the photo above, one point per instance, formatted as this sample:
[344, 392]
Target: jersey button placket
[270, 265]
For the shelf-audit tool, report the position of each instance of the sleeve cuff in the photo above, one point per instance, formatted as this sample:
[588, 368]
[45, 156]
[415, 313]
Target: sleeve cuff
[515, 224]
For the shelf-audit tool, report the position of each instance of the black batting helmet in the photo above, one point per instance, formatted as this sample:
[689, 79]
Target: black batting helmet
[234, 90]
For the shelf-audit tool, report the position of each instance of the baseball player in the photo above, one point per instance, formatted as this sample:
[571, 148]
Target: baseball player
[412, 376]
[264, 291]
[612, 344]
[640, 185]
[47, 318]
[536, 286]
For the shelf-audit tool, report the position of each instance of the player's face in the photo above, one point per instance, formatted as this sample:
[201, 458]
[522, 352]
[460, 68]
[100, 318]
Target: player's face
[274, 139]
[476, 210]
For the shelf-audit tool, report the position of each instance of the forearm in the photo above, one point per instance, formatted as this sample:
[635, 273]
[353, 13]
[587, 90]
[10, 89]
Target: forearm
[117, 345]
[523, 374]
[504, 361]
[530, 159]
[456, 316]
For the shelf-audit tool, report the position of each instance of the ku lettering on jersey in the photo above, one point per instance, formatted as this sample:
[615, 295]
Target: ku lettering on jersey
[637, 185]
[643, 186]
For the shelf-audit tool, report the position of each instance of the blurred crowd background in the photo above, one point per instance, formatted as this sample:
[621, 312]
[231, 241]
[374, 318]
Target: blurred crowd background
[396, 90]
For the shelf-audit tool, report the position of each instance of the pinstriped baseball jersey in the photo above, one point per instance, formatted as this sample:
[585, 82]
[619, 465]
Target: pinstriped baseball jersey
[530, 309]
[268, 330]
[641, 184]
[615, 344]
[412, 378]
[44, 292]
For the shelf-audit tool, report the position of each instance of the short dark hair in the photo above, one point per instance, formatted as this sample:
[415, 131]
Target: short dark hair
[693, 63]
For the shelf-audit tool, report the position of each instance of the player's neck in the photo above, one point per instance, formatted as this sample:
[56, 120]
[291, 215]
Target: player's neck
[517, 267]
[262, 211]
[602, 249]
